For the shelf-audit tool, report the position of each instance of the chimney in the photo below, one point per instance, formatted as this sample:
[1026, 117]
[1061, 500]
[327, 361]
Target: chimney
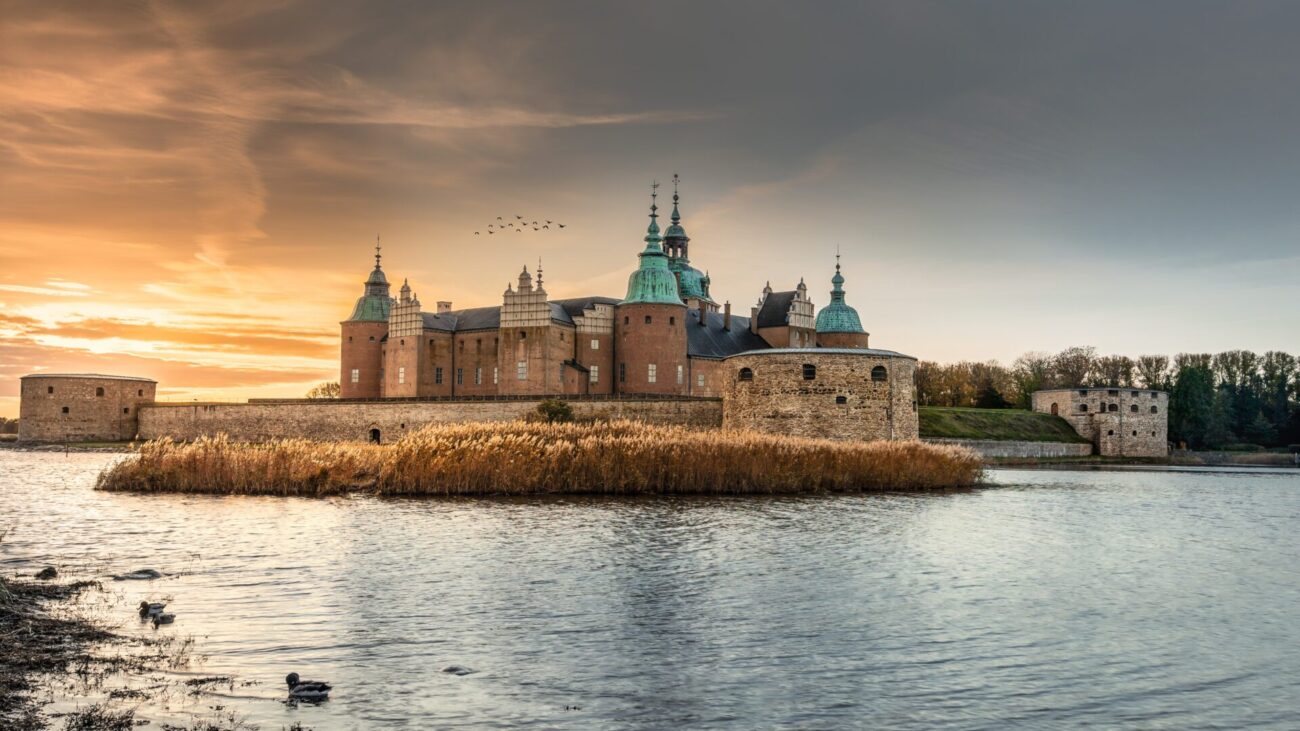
[753, 320]
[444, 307]
[704, 313]
[726, 316]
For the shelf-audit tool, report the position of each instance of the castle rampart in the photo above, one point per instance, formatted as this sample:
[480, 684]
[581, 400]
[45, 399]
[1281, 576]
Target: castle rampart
[1120, 422]
[81, 407]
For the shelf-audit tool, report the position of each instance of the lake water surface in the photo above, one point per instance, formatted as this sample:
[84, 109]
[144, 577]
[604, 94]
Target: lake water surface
[1055, 599]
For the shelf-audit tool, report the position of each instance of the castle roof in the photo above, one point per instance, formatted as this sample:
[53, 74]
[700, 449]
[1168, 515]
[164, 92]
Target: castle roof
[776, 309]
[652, 282]
[489, 318]
[374, 304]
[712, 341]
[838, 317]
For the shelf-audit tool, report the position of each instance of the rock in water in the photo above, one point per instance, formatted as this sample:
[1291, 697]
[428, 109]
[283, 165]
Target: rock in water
[47, 573]
[139, 575]
[457, 670]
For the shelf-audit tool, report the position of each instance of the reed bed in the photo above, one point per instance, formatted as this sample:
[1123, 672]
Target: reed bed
[518, 458]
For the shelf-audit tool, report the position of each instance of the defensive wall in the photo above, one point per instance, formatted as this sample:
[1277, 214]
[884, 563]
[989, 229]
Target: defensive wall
[81, 407]
[389, 419]
[1120, 422]
[988, 448]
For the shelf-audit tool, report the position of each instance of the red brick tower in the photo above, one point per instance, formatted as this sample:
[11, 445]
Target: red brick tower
[361, 357]
[650, 324]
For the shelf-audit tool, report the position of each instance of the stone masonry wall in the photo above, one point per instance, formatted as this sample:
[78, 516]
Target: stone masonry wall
[842, 401]
[345, 420]
[1120, 422]
[81, 408]
[997, 448]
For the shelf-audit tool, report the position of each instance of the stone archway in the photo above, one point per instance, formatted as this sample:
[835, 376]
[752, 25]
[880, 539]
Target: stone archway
[374, 435]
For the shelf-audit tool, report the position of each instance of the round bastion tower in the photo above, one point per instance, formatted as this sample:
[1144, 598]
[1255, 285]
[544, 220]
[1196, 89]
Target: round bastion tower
[838, 325]
[650, 324]
[361, 372]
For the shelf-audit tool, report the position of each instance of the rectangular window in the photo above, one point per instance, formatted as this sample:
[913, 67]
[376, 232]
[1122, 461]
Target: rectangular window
[460, 376]
[495, 375]
[651, 373]
[681, 374]
[401, 375]
[595, 373]
[478, 376]
[521, 370]
[437, 376]
[622, 372]
[699, 380]
[356, 375]
[595, 344]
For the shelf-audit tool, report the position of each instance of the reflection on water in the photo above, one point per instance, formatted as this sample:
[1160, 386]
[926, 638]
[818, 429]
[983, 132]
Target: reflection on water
[1135, 599]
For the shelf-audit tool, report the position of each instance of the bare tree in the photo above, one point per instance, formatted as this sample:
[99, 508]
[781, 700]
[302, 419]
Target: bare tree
[1073, 367]
[325, 391]
[1153, 372]
[1114, 370]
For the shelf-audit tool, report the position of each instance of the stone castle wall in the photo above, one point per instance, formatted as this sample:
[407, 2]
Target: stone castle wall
[81, 408]
[841, 401]
[345, 420]
[1036, 450]
[1120, 422]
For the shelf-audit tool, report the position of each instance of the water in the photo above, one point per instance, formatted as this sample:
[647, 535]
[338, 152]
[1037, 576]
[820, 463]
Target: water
[1059, 599]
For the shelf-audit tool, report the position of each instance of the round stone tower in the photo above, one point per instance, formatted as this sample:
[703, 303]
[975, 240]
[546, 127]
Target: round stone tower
[838, 325]
[362, 339]
[81, 407]
[650, 324]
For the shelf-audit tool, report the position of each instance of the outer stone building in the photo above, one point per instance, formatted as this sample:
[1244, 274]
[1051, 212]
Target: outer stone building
[88, 407]
[832, 393]
[1120, 422]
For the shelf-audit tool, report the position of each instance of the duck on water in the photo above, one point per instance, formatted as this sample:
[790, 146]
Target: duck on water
[307, 690]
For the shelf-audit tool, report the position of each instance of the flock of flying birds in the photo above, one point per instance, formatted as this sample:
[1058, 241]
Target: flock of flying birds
[519, 225]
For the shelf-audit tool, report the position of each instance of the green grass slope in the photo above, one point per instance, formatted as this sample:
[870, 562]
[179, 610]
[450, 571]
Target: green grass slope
[998, 424]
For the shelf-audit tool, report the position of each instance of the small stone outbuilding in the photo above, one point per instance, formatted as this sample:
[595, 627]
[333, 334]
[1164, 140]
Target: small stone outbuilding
[1120, 422]
[81, 407]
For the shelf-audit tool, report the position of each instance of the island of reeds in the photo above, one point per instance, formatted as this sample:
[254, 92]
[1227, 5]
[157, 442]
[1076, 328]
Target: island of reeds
[519, 458]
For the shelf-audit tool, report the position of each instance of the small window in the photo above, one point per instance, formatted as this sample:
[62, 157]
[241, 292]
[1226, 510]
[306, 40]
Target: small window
[521, 370]
[99, 391]
[595, 344]
[1083, 392]
[1155, 409]
[478, 376]
[1083, 407]
[49, 389]
[496, 375]
[401, 375]
[402, 341]
[523, 335]
[1133, 408]
[460, 376]
[1110, 432]
[372, 339]
[879, 374]
[1153, 434]
[809, 371]
[625, 320]
[65, 409]
[1112, 392]
[1135, 394]
[699, 380]
[403, 425]
[561, 336]
[652, 373]
[1113, 408]
[746, 374]
[841, 400]
[1055, 410]
[672, 320]
[594, 375]
[622, 372]
[126, 410]
[1135, 432]
[349, 338]
[437, 376]
[140, 392]
[681, 375]
[647, 319]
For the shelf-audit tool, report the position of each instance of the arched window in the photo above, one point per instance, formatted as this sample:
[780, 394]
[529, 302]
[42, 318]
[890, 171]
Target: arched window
[1083, 407]
[402, 341]
[746, 374]
[809, 371]
[1055, 409]
[841, 400]
[1155, 410]
[1133, 408]
[1110, 432]
[1113, 408]
[99, 391]
[879, 374]
[374, 436]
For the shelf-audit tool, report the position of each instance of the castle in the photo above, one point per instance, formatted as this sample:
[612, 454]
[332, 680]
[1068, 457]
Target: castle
[666, 336]
[666, 352]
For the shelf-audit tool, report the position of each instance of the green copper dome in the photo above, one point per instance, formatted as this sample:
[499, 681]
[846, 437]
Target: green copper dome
[838, 317]
[373, 306]
[653, 282]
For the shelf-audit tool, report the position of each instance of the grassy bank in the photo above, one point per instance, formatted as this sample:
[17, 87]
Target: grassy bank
[997, 424]
[608, 458]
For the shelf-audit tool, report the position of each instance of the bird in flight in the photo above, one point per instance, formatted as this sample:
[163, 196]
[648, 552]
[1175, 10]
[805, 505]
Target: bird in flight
[476, 233]
[560, 225]
[491, 232]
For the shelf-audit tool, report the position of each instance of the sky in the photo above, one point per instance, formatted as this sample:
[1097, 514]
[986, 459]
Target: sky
[192, 191]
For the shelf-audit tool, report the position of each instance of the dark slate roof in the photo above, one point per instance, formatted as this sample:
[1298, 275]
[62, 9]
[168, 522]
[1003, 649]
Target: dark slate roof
[489, 318]
[711, 341]
[775, 308]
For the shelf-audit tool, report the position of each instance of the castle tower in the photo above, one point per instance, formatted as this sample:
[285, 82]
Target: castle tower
[361, 358]
[405, 351]
[691, 283]
[838, 325]
[526, 353]
[650, 322]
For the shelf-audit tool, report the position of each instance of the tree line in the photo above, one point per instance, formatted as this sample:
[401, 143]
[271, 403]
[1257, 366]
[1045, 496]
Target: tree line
[1215, 400]
[8, 426]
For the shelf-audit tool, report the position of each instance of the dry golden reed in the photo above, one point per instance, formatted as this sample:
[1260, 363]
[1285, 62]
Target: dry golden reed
[517, 458]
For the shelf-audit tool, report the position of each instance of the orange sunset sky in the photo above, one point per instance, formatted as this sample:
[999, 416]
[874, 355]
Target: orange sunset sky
[192, 191]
